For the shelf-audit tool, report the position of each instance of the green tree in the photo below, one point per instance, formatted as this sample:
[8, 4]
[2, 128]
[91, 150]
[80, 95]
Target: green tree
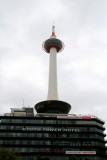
[6, 154]
[73, 157]
[31, 158]
[43, 158]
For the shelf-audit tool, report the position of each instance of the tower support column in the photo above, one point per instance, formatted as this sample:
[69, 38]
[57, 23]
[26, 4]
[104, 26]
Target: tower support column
[53, 105]
[52, 84]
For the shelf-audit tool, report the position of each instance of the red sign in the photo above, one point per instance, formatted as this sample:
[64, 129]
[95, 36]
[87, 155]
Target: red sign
[74, 117]
[52, 151]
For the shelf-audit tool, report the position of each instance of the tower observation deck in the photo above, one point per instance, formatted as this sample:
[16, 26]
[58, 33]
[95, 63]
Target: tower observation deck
[53, 104]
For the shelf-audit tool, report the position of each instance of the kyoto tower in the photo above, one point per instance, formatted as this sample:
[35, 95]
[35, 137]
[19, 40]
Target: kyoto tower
[53, 105]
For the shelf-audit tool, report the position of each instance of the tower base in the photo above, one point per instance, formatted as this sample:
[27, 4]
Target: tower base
[53, 106]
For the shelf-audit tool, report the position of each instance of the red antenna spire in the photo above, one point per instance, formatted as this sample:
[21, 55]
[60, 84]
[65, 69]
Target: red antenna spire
[53, 29]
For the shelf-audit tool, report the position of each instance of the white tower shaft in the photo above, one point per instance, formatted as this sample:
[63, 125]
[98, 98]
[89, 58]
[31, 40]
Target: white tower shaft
[52, 86]
[52, 104]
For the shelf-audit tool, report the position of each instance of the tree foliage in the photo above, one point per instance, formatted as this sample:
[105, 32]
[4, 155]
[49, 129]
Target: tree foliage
[73, 157]
[6, 154]
[43, 158]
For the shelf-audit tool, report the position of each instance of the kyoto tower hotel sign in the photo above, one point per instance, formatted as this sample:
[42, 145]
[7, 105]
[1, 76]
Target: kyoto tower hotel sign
[53, 104]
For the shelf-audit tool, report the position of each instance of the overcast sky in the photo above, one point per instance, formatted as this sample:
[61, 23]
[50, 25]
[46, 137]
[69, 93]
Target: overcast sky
[82, 66]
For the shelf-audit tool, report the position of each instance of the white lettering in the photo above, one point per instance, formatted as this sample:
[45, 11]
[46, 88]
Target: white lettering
[81, 152]
[51, 129]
